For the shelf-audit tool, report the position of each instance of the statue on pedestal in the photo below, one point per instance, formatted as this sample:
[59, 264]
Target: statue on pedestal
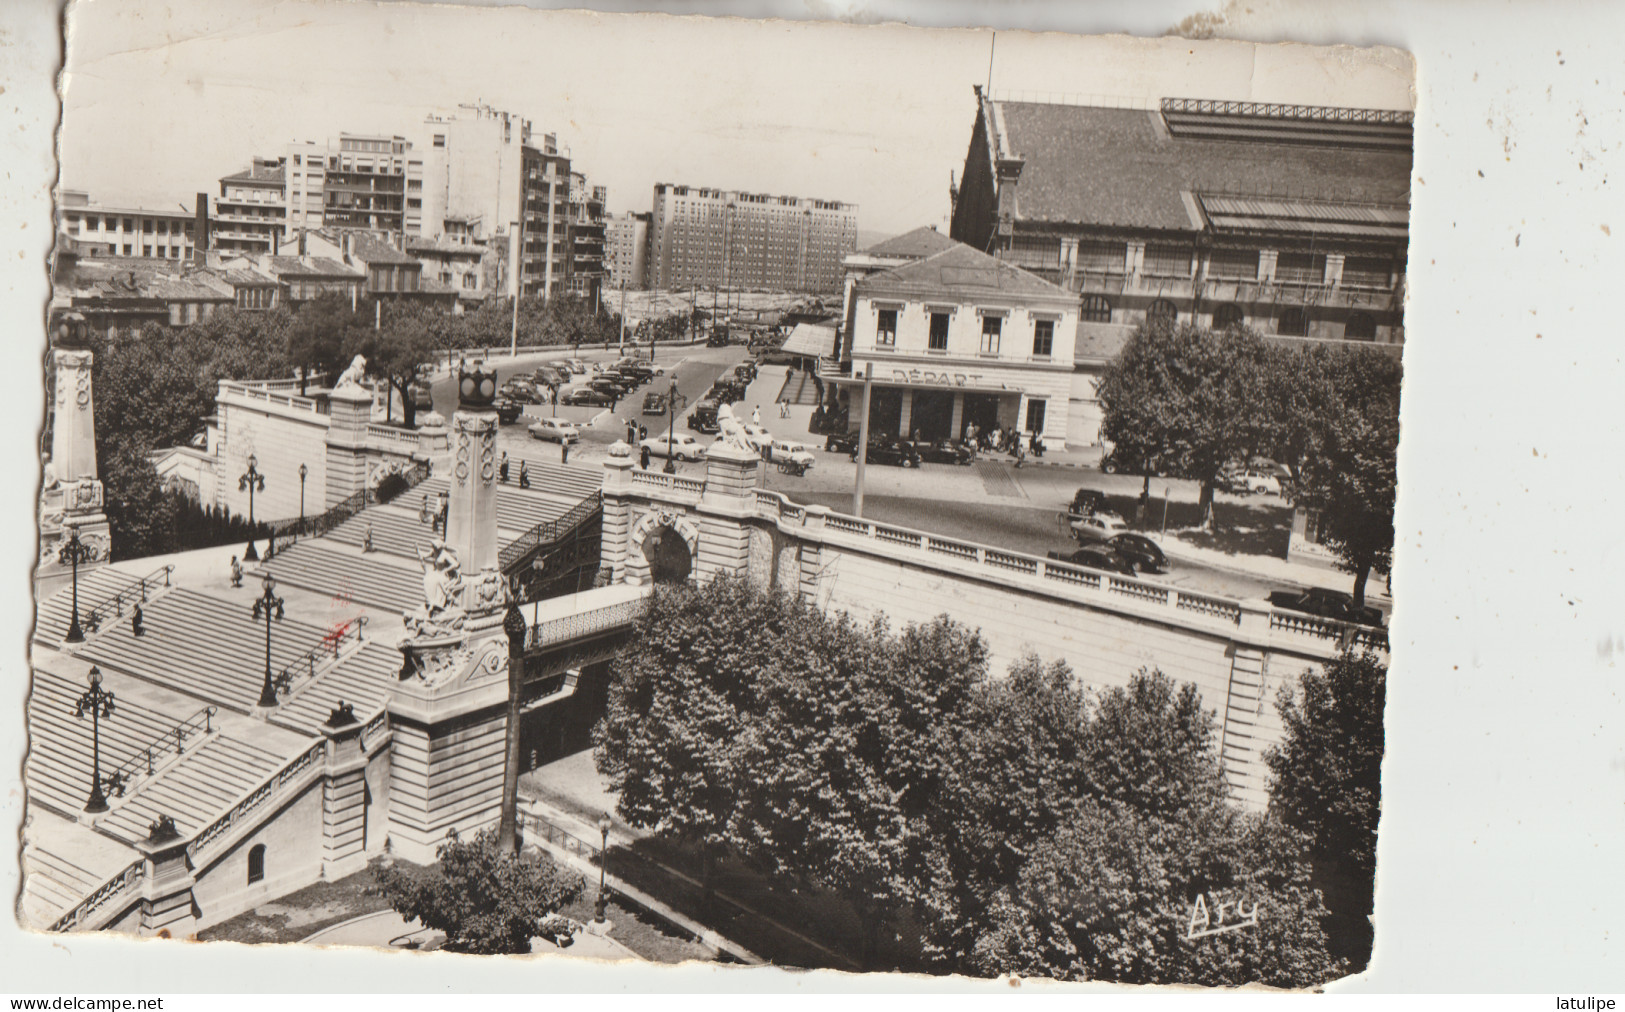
[442, 613]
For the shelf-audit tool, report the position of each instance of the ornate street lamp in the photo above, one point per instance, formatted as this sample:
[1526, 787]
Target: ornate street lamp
[671, 429]
[73, 553]
[267, 606]
[515, 628]
[603, 865]
[98, 704]
[303, 472]
[249, 481]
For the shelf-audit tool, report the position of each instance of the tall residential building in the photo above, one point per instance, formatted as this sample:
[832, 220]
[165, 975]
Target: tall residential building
[482, 150]
[109, 230]
[586, 273]
[626, 242]
[252, 208]
[374, 183]
[544, 232]
[733, 239]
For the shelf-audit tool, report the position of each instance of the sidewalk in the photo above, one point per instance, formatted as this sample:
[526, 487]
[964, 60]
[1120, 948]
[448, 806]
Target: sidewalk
[1295, 574]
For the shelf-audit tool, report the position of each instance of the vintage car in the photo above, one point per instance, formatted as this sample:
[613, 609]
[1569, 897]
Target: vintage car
[1096, 557]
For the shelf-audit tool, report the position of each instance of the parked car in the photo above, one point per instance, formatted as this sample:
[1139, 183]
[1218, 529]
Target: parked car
[682, 446]
[1326, 604]
[1141, 552]
[841, 442]
[562, 367]
[890, 450]
[523, 391]
[633, 367]
[548, 377]
[587, 395]
[654, 403]
[422, 400]
[608, 386]
[578, 366]
[1096, 557]
[1097, 527]
[944, 451]
[558, 430]
[508, 410]
[746, 372]
[704, 418]
[780, 451]
[1085, 502]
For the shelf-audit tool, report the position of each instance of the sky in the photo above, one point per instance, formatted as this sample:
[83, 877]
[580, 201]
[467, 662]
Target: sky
[160, 101]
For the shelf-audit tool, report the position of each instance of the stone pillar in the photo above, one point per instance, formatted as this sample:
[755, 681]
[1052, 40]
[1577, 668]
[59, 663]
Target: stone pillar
[956, 425]
[349, 414]
[812, 552]
[73, 426]
[726, 505]
[616, 539]
[434, 438]
[167, 905]
[344, 796]
[72, 496]
[471, 517]
[907, 414]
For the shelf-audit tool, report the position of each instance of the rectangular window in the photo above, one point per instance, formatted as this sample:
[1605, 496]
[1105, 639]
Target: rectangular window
[939, 332]
[127, 248]
[1035, 416]
[1035, 251]
[1235, 264]
[175, 314]
[1043, 338]
[886, 327]
[93, 222]
[1167, 261]
[1358, 272]
[146, 251]
[129, 224]
[1102, 257]
[1301, 268]
[992, 329]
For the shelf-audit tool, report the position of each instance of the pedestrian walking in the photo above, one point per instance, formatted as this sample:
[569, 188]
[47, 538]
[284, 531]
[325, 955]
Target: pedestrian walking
[1021, 452]
[564, 451]
[366, 538]
[236, 572]
[784, 409]
[138, 622]
[502, 468]
[756, 416]
[1037, 447]
[524, 474]
[643, 458]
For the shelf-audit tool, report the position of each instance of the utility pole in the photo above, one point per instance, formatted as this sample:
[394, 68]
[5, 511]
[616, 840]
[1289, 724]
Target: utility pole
[623, 317]
[863, 439]
[518, 258]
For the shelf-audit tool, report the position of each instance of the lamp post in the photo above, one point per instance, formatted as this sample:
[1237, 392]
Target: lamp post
[250, 481]
[603, 866]
[98, 704]
[671, 428]
[267, 606]
[514, 627]
[303, 472]
[73, 553]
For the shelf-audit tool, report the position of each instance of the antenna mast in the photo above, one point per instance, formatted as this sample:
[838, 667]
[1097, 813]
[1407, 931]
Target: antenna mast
[990, 44]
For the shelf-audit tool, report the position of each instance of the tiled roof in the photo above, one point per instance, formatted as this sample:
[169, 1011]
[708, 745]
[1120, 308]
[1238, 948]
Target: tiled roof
[439, 244]
[310, 267]
[375, 251]
[1100, 166]
[922, 242]
[960, 274]
[256, 175]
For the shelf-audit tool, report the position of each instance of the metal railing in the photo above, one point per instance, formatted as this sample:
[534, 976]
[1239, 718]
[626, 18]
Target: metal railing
[1281, 110]
[549, 531]
[146, 760]
[136, 593]
[286, 532]
[332, 644]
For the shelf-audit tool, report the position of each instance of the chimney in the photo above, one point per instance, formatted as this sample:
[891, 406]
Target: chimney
[276, 241]
[200, 230]
[301, 242]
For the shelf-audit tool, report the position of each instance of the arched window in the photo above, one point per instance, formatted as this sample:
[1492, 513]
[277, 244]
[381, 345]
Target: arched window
[1227, 316]
[1361, 327]
[1294, 322]
[1097, 309]
[1162, 311]
[256, 863]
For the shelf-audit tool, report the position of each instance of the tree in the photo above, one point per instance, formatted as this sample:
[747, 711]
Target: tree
[406, 339]
[320, 334]
[1181, 401]
[1349, 472]
[1326, 780]
[486, 900]
[140, 515]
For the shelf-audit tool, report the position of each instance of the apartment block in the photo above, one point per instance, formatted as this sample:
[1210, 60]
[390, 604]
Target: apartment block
[733, 239]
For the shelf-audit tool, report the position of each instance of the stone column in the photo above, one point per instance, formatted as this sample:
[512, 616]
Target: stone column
[615, 540]
[471, 517]
[812, 552]
[726, 505]
[349, 414]
[167, 905]
[344, 796]
[72, 496]
[956, 425]
[907, 415]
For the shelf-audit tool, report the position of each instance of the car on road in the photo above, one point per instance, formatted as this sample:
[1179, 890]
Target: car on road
[523, 391]
[1096, 557]
[608, 386]
[890, 450]
[547, 377]
[1085, 502]
[558, 430]
[1097, 527]
[422, 400]
[944, 451]
[639, 367]
[578, 366]
[704, 418]
[654, 403]
[682, 446]
[508, 410]
[562, 367]
[841, 442]
[780, 451]
[1140, 551]
[586, 395]
[745, 372]
[1326, 604]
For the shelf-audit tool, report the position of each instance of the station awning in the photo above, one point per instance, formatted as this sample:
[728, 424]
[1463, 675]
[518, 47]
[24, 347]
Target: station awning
[810, 340]
[915, 379]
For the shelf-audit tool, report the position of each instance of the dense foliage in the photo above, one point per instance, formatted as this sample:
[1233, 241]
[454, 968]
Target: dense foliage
[1327, 781]
[485, 898]
[1188, 403]
[963, 816]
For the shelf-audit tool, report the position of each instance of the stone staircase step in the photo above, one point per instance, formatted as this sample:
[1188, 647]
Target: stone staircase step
[195, 791]
[96, 586]
[361, 680]
[386, 582]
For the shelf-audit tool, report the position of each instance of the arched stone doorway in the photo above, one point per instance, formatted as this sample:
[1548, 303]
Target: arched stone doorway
[667, 552]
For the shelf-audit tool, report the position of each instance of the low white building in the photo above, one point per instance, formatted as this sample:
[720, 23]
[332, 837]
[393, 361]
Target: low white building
[960, 337]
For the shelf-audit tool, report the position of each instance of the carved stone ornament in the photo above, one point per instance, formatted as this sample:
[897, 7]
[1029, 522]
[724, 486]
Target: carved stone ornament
[95, 545]
[354, 373]
[461, 469]
[486, 592]
[83, 495]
